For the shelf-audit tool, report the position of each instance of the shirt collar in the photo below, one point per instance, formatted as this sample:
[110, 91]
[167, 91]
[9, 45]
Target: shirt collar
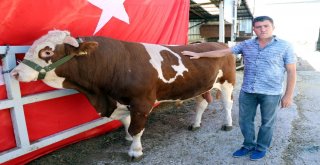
[274, 38]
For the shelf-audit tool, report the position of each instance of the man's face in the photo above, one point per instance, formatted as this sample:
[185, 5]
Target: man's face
[263, 29]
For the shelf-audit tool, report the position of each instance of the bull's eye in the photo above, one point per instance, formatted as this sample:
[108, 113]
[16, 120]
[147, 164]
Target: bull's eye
[47, 53]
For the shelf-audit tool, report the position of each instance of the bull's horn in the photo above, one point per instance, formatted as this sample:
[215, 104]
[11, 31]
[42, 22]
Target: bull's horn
[71, 41]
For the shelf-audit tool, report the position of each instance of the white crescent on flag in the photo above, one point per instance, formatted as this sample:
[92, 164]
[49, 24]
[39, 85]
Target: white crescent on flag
[110, 8]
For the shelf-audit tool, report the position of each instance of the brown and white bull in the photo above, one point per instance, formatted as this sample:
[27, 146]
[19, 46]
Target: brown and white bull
[125, 79]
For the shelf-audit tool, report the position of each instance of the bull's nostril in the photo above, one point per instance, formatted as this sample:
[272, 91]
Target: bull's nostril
[15, 74]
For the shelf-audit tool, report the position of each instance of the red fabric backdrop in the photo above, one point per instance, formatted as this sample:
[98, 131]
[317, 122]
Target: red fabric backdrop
[150, 21]
[153, 21]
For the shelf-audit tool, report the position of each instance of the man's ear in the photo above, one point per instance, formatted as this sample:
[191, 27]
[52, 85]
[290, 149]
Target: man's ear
[86, 48]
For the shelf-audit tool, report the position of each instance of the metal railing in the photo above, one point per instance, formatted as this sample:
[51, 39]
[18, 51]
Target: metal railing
[15, 103]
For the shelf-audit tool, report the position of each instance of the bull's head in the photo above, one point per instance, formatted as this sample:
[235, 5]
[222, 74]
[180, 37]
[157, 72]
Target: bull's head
[38, 63]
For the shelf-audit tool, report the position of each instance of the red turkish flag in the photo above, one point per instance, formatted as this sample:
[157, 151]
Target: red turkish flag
[22, 22]
[151, 21]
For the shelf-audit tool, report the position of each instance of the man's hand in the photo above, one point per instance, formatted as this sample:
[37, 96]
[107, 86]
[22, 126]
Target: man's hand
[192, 55]
[210, 54]
[286, 101]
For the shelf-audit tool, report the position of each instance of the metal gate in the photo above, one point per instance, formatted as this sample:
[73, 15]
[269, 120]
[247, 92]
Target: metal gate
[15, 103]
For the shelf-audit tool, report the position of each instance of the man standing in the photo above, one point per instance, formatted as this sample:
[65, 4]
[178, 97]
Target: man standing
[266, 59]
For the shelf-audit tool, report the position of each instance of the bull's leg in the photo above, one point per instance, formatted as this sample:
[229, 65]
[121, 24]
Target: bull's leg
[227, 100]
[135, 150]
[126, 122]
[201, 105]
[139, 112]
[122, 113]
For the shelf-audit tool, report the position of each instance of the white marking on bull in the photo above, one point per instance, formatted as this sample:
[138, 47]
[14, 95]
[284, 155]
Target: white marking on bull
[123, 114]
[226, 90]
[53, 38]
[156, 60]
[218, 85]
[136, 147]
[53, 80]
[201, 105]
[27, 74]
[24, 73]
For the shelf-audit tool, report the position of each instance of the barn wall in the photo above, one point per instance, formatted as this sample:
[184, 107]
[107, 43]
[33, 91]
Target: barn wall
[210, 31]
[194, 31]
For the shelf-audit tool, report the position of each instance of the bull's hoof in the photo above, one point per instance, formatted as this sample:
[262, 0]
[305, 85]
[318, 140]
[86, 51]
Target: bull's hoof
[226, 128]
[135, 154]
[134, 159]
[192, 128]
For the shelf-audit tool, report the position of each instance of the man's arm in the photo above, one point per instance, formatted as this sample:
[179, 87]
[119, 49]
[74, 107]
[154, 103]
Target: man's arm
[212, 54]
[291, 82]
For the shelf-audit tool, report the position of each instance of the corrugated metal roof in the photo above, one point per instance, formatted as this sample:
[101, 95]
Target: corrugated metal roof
[209, 10]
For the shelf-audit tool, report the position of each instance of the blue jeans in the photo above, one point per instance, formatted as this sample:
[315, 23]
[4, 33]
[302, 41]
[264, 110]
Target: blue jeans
[248, 103]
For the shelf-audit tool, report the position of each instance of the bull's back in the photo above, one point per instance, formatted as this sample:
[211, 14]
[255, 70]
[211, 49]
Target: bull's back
[200, 75]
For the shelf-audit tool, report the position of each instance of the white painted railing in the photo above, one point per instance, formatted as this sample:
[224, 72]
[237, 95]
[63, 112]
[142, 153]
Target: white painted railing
[15, 102]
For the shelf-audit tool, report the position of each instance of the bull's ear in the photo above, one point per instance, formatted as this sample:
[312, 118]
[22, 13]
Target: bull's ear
[87, 47]
[71, 41]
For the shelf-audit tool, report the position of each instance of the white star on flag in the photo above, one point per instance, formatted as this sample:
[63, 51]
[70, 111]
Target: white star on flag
[110, 8]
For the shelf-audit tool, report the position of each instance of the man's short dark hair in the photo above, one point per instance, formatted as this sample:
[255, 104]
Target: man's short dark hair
[261, 19]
